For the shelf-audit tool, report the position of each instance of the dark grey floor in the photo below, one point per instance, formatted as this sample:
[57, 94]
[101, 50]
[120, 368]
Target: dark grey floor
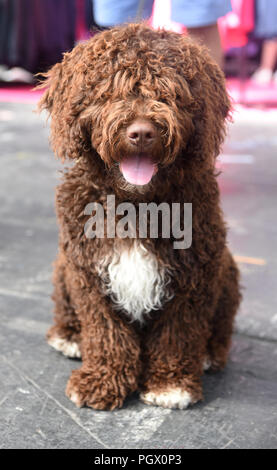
[240, 407]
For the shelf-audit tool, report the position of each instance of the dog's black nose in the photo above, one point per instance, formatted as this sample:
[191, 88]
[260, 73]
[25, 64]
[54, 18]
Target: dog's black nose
[141, 133]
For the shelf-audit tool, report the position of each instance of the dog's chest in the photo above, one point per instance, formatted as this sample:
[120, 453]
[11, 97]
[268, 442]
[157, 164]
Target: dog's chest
[135, 281]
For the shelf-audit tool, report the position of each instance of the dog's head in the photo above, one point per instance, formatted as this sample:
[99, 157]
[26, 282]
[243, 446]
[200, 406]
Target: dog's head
[139, 101]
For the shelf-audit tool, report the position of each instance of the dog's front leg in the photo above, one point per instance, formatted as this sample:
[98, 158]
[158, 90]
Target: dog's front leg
[174, 351]
[111, 356]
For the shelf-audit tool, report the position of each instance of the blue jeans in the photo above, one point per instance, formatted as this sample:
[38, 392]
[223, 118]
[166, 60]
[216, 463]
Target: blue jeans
[191, 13]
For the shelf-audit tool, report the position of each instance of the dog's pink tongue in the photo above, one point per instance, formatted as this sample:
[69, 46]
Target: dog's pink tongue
[137, 169]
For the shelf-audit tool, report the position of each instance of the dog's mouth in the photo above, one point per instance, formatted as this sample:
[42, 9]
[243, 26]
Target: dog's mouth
[138, 169]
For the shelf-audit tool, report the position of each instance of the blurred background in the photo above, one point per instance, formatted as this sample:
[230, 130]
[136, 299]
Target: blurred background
[34, 34]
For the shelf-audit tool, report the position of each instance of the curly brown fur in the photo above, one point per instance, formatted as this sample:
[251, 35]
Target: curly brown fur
[100, 88]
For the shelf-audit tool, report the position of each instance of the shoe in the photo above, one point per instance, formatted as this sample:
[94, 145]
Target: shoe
[17, 74]
[262, 76]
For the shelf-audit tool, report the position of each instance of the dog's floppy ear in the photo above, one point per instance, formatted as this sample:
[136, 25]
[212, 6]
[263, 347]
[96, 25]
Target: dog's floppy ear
[211, 105]
[64, 101]
[52, 83]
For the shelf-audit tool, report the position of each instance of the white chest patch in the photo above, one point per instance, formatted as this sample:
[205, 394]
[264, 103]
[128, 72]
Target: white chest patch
[135, 281]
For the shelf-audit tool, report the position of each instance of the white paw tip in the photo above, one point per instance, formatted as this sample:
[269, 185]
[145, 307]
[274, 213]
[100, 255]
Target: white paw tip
[171, 398]
[207, 364]
[74, 397]
[68, 348]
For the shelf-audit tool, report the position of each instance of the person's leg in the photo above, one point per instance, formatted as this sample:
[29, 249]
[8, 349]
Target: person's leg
[269, 54]
[265, 70]
[201, 20]
[209, 35]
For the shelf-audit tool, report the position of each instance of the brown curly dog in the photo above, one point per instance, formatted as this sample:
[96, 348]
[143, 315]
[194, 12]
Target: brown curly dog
[142, 114]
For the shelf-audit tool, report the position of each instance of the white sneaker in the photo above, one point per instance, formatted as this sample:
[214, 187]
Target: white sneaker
[17, 74]
[3, 70]
[262, 76]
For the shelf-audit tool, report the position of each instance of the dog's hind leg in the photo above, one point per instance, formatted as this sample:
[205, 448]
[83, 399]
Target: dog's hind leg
[64, 335]
[220, 340]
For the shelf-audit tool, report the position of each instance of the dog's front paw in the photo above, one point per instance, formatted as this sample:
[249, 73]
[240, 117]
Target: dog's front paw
[101, 393]
[169, 398]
